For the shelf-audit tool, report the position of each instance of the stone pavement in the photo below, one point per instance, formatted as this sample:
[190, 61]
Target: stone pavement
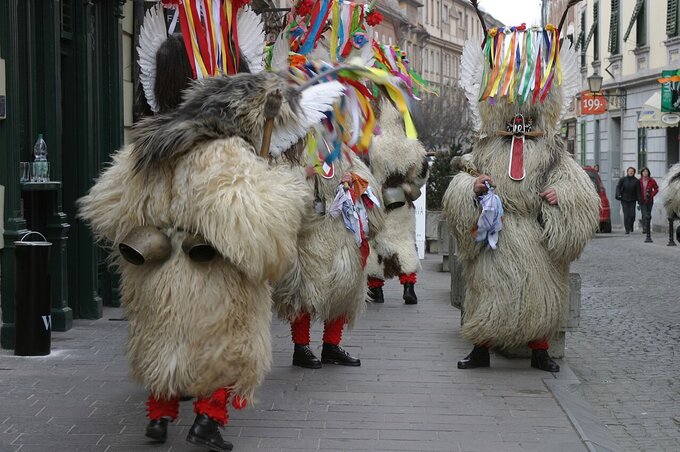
[626, 350]
[406, 396]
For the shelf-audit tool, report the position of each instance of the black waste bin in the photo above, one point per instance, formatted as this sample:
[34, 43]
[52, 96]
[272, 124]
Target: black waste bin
[33, 321]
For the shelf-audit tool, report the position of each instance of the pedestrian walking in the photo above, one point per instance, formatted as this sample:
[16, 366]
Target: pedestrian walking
[648, 190]
[628, 193]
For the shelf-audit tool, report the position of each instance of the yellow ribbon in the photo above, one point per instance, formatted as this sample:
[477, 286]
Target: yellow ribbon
[334, 31]
[194, 40]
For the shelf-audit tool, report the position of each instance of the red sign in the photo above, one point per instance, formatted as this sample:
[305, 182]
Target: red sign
[593, 104]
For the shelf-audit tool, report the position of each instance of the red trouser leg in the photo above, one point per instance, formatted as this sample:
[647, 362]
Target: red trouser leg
[299, 329]
[374, 283]
[215, 406]
[332, 331]
[408, 278]
[539, 345]
[158, 408]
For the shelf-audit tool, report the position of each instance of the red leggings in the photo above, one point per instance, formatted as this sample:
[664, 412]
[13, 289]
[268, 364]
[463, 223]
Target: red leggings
[214, 407]
[332, 330]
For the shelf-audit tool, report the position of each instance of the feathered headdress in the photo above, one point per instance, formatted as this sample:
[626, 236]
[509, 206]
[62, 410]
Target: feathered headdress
[345, 54]
[218, 36]
[520, 64]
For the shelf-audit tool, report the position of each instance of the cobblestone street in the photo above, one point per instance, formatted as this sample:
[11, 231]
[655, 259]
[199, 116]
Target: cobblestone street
[626, 350]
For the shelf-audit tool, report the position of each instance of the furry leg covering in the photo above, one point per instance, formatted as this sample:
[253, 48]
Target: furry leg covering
[215, 406]
[332, 331]
[374, 283]
[159, 408]
[299, 329]
[539, 345]
[409, 278]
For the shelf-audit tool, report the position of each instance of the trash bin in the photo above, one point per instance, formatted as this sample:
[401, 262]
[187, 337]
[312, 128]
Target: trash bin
[33, 321]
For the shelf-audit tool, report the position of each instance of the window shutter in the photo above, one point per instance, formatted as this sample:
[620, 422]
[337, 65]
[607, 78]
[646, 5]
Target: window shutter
[614, 28]
[636, 12]
[672, 18]
[596, 8]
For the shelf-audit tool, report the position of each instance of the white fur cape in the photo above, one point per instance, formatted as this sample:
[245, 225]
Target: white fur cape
[670, 190]
[196, 327]
[326, 279]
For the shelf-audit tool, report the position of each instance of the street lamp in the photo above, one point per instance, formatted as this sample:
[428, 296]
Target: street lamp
[595, 87]
[595, 83]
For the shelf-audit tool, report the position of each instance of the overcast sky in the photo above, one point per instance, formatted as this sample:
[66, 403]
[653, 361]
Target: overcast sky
[513, 12]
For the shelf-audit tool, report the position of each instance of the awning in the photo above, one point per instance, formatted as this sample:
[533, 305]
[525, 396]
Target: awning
[651, 116]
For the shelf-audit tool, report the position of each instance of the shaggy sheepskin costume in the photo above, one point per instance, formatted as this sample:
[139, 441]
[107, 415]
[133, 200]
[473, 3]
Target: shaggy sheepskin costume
[200, 327]
[327, 279]
[671, 191]
[518, 293]
[396, 162]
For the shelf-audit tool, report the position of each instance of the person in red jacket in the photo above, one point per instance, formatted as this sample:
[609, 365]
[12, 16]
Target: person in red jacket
[648, 190]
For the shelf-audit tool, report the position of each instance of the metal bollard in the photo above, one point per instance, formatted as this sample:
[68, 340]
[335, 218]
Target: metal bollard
[671, 242]
[33, 320]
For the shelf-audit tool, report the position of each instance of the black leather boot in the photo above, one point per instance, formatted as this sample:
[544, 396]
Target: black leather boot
[303, 356]
[479, 357]
[157, 430]
[410, 294]
[206, 433]
[540, 359]
[376, 295]
[334, 354]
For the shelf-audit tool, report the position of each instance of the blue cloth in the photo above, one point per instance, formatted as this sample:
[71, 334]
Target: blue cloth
[490, 222]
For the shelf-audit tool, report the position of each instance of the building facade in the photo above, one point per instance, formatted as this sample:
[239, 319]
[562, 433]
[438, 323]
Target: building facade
[629, 44]
[64, 75]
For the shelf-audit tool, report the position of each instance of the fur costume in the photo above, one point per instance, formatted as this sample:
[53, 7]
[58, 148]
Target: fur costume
[671, 191]
[327, 278]
[519, 292]
[196, 327]
[396, 161]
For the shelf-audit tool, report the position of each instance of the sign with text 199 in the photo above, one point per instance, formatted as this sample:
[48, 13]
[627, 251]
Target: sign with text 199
[593, 104]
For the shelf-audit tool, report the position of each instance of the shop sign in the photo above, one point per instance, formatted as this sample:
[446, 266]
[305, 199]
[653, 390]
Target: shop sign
[593, 104]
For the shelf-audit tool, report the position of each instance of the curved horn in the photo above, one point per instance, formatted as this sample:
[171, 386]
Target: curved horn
[564, 14]
[475, 5]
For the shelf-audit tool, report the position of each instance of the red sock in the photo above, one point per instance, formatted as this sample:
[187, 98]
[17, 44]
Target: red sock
[215, 406]
[157, 408]
[332, 331]
[407, 278]
[299, 329]
[539, 345]
[374, 283]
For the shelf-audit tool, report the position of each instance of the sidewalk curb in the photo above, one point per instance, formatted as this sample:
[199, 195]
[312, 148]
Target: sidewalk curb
[567, 390]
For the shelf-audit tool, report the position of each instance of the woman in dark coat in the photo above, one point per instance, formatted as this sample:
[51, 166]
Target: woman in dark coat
[628, 192]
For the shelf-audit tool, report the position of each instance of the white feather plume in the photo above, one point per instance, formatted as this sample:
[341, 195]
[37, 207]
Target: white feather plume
[251, 38]
[151, 36]
[471, 70]
[571, 77]
[315, 101]
[280, 53]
